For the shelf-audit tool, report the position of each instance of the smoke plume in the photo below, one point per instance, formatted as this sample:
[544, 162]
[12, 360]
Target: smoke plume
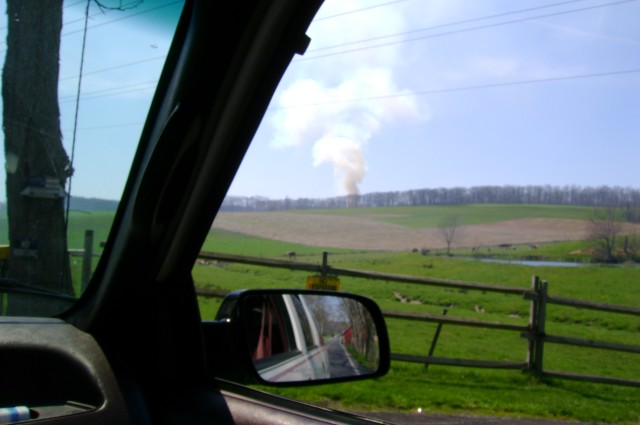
[338, 107]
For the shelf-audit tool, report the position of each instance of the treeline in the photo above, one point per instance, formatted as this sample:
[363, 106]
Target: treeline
[602, 196]
[78, 203]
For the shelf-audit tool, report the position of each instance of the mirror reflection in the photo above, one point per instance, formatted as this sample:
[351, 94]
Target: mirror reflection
[296, 337]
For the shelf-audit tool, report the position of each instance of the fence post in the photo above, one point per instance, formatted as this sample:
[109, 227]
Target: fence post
[435, 338]
[325, 259]
[533, 312]
[537, 321]
[540, 329]
[87, 258]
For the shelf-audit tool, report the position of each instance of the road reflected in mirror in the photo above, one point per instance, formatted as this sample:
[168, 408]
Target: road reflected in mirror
[296, 337]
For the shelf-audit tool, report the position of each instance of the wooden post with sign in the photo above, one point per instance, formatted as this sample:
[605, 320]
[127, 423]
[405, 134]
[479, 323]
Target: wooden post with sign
[323, 281]
[330, 283]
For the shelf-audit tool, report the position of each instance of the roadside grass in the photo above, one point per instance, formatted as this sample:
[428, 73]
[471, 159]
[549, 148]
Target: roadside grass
[440, 389]
[408, 387]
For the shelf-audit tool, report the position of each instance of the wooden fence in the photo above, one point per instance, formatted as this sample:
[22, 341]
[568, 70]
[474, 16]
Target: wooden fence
[535, 332]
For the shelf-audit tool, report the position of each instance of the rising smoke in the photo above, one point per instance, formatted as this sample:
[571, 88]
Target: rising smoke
[338, 110]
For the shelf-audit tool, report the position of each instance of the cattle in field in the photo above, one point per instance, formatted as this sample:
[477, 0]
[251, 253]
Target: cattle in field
[505, 245]
[532, 246]
[291, 255]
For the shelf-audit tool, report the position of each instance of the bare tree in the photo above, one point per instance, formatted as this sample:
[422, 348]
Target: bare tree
[631, 247]
[604, 228]
[448, 229]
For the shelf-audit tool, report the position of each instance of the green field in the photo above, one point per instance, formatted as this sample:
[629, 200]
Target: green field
[440, 389]
[461, 390]
[431, 216]
[456, 389]
[79, 223]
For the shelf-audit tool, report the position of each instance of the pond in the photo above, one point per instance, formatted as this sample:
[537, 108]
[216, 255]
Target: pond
[545, 263]
[535, 263]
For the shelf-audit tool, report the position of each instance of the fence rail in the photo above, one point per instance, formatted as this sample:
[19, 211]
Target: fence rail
[534, 332]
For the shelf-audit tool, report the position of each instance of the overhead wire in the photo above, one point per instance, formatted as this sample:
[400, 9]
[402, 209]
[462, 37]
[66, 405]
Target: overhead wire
[463, 30]
[119, 90]
[75, 118]
[132, 15]
[111, 68]
[115, 90]
[400, 41]
[449, 24]
[350, 12]
[171, 3]
[73, 4]
[466, 88]
[422, 92]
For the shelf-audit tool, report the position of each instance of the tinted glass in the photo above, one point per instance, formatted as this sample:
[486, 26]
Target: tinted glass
[78, 78]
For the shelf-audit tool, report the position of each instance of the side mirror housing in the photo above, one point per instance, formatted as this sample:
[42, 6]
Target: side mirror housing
[296, 337]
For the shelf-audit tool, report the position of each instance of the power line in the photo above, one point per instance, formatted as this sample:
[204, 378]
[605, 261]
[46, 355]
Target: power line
[116, 90]
[480, 27]
[124, 65]
[401, 41]
[99, 13]
[108, 126]
[466, 88]
[358, 10]
[133, 15]
[414, 93]
[73, 21]
[75, 118]
[73, 4]
[450, 24]
[108, 22]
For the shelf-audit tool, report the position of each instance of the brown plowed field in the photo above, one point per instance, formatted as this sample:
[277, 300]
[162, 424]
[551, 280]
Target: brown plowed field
[365, 232]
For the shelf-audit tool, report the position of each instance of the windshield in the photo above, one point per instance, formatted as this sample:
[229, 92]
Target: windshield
[456, 143]
[77, 81]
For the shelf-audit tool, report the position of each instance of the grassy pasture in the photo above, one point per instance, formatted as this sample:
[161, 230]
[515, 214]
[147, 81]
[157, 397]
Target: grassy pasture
[442, 389]
[432, 216]
[462, 390]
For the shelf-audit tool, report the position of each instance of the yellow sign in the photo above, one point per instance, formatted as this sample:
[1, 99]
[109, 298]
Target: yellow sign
[4, 252]
[330, 283]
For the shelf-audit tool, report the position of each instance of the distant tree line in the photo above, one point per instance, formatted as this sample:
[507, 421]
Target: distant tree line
[625, 198]
[78, 203]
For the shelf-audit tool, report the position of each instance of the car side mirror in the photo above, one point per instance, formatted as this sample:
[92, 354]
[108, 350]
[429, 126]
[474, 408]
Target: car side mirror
[294, 337]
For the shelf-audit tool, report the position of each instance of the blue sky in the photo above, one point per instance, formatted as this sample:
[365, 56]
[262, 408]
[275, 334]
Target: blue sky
[397, 95]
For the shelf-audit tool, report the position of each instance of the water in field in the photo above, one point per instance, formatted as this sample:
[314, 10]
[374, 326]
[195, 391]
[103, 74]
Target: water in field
[541, 263]
[536, 263]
